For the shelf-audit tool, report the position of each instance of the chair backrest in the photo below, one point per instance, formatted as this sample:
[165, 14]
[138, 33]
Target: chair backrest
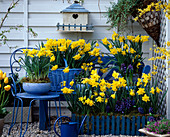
[106, 62]
[15, 67]
[146, 69]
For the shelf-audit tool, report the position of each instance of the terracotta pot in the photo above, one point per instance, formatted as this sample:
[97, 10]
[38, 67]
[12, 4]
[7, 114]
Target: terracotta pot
[150, 134]
[1, 125]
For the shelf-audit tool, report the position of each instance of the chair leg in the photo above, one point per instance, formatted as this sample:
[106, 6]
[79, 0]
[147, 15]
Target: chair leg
[28, 116]
[49, 125]
[21, 116]
[56, 108]
[60, 106]
[14, 114]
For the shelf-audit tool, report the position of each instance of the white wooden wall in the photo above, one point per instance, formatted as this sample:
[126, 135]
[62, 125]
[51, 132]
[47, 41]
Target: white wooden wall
[43, 15]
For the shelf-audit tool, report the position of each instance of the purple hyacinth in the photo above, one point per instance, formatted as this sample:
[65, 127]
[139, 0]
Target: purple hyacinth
[130, 67]
[108, 109]
[151, 119]
[140, 109]
[151, 110]
[124, 106]
[123, 67]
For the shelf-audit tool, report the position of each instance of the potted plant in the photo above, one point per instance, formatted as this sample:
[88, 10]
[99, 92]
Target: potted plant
[127, 52]
[109, 105]
[37, 63]
[69, 56]
[4, 95]
[159, 128]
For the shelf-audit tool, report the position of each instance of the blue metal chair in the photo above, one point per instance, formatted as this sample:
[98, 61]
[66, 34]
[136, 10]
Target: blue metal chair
[19, 96]
[146, 69]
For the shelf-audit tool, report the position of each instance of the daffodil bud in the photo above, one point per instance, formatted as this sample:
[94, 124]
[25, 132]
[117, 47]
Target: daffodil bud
[0, 86]
[4, 76]
[6, 80]
[1, 75]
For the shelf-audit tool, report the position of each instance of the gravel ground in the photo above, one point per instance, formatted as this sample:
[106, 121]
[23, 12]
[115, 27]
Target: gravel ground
[33, 131]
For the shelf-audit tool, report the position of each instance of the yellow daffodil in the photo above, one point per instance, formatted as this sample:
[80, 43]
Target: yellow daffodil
[54, 67]
[105, 41]
[6, 80]
[104, 70]
[144, 38]
[52, 59]
[7, 87]
[80, 99]
[113, 51]
[113, 96]
[77, 57]
[154, 72]
[100, 99]
[63, 83]
[152, 90]
[138, 64]
[130, 37]
[158, 90]
[1, 75]
[66, 70]
[95, 93]
[141, 91]
[71, 83]
[132, 93]
[102, 94]
[145, 98]
[115, 74]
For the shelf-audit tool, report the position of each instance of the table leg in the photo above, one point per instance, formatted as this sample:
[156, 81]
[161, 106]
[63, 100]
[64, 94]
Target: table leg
[43, 115]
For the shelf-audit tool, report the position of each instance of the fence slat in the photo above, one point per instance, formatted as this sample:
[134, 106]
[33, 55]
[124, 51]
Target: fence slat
[113, 125]
[97, 125]
[82, 129]
[123, 126]
[138, 125]
[107, 125]
[77, 118]
[133, 126]
[92, 125]
[128, 126]
[102, 125]
[87, 125]
[118, 125]
[143, 123]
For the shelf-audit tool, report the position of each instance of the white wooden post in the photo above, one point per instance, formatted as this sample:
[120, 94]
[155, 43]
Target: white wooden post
[25, 23]
[167, 70]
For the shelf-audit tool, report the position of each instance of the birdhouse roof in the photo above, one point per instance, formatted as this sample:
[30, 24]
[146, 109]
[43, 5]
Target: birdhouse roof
[75, 7]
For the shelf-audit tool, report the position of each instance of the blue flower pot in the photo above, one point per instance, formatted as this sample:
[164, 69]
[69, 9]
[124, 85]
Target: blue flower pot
[58, 76]
[36, 88]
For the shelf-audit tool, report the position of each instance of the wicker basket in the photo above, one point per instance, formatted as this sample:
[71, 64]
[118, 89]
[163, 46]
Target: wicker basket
[150, 21]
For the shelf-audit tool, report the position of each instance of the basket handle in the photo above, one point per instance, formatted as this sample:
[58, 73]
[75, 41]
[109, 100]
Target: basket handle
[65, 61]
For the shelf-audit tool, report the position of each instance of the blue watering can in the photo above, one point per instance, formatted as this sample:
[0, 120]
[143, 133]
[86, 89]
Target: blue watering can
[68, 129]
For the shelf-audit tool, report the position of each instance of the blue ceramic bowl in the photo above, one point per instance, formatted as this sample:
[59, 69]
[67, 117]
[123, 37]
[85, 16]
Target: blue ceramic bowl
[36, 88]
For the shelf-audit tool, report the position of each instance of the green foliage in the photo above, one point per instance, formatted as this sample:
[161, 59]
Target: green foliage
[159, 127]
[118, 13]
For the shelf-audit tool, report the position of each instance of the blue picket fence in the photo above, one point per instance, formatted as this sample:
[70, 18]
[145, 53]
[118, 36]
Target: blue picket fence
[106, 125]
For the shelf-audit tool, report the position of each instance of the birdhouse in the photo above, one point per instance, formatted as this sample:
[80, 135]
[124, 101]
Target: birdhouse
[75, 18]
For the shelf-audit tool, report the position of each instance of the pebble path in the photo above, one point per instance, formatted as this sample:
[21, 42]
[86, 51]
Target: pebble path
[33, 131]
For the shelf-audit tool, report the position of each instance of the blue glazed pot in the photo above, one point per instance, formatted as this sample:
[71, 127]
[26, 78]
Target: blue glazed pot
[36, 88]
[58, 76]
